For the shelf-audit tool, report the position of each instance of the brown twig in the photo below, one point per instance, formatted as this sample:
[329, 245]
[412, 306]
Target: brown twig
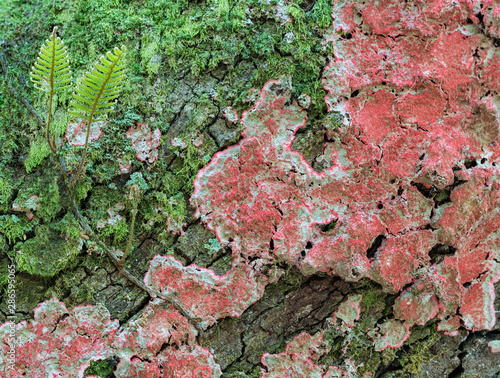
[125, 273]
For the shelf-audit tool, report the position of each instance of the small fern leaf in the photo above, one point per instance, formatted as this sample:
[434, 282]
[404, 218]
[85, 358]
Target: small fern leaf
[96, 93]
[51, 71]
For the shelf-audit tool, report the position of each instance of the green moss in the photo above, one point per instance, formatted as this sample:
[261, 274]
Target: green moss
[160, 207]
[4, 275]
[137, 178]
[418, 351]
[103, 199]
[101, 368]
[39, 150]
[149, 54]
[13, 227]
[7, 186]
[52, 249]
[371, 299]
[357, 346]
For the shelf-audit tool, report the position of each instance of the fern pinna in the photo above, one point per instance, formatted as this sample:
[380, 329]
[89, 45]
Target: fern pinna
[95, 94]
[51, 73]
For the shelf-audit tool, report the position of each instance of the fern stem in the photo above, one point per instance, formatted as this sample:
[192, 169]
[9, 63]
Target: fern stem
[47, 130]
[51, 93]
[89, 122]
[134, 192]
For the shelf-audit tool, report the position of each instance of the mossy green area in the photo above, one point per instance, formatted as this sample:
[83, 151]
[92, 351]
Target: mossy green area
[101, 368]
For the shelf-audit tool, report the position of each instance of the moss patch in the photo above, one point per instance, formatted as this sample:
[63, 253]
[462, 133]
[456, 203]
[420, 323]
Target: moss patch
[52, 248]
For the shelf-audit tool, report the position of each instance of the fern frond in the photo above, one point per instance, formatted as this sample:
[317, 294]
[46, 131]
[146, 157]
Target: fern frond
[96, 92]
[51, 71]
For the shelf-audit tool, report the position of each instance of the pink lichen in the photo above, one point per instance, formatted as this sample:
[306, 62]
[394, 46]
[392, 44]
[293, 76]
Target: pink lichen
[400, 257]
[204, 294]
[158, 324]
[264, 199]
[416, 306]
[28, 206]
[202, 372]
[349, 311]
[194, 362]
[491, 16]
[175, 225]
[298, 360]
[141, 346]
[416, 113]
[114, 216]
[59, 342]
[178, 142]
[145, 142]
[62, 343]
[76, 131]
[231, 115]
[390, 334]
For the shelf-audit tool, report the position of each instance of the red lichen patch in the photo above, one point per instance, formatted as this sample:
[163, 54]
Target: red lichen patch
[390, 334]
[178, 142]
[408, 211]
[28, 206]
[204, 294]
[416, 306]
[443, 280]
[114, 216]
[76, 132]
[253, 193]
[175, 225]
[143, 339]
[159, 324]
[298, 360]
[349, 310]
[181, 362]
[144, 142]
[402, 146]
[398, 259]
[491, 16]
[231, 115]
[478, 310]
[449, 326]
[59, 342]
[195, 362]
[62, 343]
[478, 199]
[202, 372]
[375, 117]
[431, 111]
[345, 253]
